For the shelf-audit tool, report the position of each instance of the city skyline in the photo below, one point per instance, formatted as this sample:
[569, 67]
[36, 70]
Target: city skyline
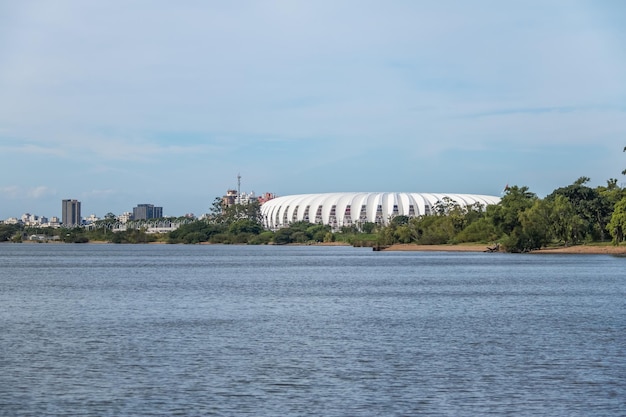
[449, 97]
[71, 214]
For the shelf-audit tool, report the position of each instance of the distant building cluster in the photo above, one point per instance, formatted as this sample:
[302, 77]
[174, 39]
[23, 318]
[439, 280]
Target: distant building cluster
[33, 220]
[71, 212]
[71, 216]
[233, 197]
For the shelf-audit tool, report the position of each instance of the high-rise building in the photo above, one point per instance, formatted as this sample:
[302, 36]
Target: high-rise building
[71, 213]
[147, 211]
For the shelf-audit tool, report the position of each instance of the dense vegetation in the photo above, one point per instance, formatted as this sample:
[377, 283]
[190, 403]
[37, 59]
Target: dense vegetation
[521, 222]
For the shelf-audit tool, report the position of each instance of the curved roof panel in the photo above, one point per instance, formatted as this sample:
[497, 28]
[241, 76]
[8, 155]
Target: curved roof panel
[348, 209]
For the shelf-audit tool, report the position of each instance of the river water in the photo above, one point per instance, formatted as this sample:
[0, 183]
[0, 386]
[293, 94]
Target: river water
[108, 330]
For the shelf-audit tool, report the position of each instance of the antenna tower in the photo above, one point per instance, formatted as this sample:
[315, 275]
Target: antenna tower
[238, 188]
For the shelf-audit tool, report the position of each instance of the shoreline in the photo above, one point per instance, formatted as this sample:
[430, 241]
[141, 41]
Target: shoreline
[412, 247]
[577, 249]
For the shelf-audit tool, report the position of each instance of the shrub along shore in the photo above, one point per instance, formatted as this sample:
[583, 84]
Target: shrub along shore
[608, 249]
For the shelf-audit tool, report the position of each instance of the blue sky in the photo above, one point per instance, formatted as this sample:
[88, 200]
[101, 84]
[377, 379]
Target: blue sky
[118, 103]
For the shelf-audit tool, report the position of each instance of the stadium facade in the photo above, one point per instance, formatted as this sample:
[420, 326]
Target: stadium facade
[354, 209]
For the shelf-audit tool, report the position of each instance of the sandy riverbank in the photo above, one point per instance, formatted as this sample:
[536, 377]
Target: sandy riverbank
[470, 247]
[578, 249]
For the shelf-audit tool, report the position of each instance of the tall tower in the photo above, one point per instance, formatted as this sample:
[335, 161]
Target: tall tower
[238, 188]
[70, 213]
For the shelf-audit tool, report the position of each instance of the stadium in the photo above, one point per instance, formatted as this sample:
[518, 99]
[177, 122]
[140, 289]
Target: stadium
[354, 209]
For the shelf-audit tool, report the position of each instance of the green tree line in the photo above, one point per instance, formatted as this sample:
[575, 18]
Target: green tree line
[520, 222]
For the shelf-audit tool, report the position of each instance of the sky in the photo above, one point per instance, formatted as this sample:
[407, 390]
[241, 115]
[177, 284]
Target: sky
[120, 103]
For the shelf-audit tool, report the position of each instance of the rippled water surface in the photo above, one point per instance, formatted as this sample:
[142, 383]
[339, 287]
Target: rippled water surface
[239, 330]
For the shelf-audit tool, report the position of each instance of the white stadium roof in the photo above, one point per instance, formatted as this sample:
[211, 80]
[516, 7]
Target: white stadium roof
[347, 209]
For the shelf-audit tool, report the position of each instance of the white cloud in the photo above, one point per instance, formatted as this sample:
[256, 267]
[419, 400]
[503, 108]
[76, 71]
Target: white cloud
[40, 191]
[31, 149]
[32, 193]
[11, 191]
[99, 193]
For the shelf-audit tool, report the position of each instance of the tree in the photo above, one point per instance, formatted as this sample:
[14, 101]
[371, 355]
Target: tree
[611, 192]
[9, 230]
[404, 234]
[195, 232]
[592, 207]
[349, 230]
[368, 227]
[230, 214]
[73, 235]
[617, 225]
[245, 226]
[565, 223]
[399, 220]
[216, 207]
[386, 236]
[262, 239]
[547, 220]
[506, 217]
[534, 232]
[481, 230]
[433, 230]
[283, 236]
[318, 232]
[445, 206]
